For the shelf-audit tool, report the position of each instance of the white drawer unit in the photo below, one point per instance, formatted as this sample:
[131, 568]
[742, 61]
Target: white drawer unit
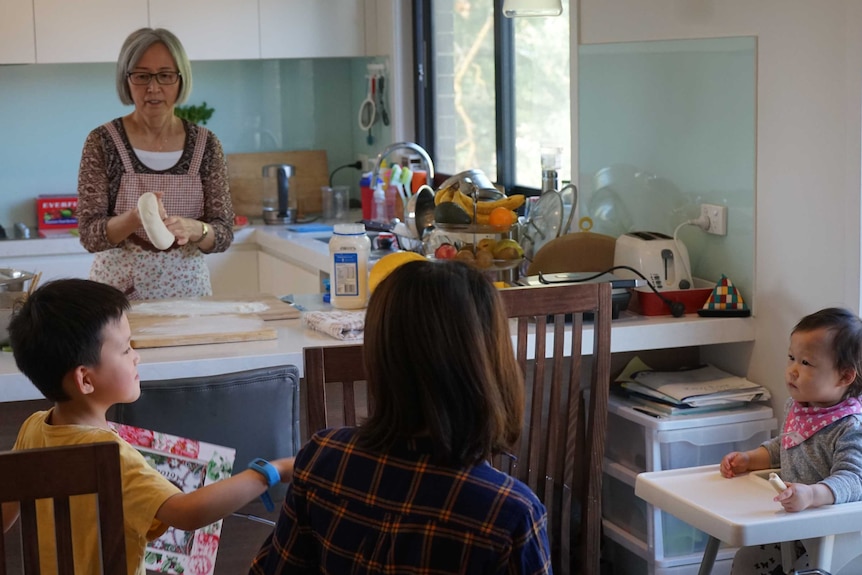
[643, 540]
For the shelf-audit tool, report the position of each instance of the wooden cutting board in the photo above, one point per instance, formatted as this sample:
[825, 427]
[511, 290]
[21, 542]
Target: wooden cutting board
[213, 319]
[245, 172]
[265, 306]
[166, 331]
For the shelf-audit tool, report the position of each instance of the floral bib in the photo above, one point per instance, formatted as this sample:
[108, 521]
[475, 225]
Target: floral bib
[803, 422]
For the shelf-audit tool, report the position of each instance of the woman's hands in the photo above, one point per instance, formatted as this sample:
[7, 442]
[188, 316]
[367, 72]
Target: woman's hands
[184, 229]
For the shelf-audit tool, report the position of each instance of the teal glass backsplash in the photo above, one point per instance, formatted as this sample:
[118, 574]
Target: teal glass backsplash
[667, 126]
[47, 110]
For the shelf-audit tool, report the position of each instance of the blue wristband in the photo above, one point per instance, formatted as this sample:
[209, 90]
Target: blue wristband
[270, 473]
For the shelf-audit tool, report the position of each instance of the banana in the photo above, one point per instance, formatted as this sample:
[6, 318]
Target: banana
[443, 196]
[483, 209]
[510, 203]
[464, 201]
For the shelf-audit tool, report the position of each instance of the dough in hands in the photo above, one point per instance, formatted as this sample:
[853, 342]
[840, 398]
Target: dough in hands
[157, 231]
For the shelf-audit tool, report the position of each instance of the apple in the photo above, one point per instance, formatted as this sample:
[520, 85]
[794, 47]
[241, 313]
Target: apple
[445, 252]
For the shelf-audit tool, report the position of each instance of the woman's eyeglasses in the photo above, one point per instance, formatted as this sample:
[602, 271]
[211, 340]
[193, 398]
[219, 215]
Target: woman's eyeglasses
[144, 78]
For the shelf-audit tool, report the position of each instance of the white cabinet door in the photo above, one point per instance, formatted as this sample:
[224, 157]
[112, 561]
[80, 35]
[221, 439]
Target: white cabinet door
[234, 272]
[17, 37]
[280, 278]
[85, 30]
[312, 28]
[211, 29]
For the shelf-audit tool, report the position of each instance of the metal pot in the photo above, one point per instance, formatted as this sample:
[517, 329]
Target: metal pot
[419, 211]
[470, 180]
[13, 280]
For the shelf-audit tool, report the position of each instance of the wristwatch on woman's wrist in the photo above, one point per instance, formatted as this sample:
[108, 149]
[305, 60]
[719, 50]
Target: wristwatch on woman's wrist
[270, 473]
[204, 233]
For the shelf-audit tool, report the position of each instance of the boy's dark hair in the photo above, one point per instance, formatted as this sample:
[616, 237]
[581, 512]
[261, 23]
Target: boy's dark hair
[439, 362]
[60, 327]
[846, 329]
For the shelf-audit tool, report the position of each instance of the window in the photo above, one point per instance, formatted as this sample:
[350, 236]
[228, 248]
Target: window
[492, 91]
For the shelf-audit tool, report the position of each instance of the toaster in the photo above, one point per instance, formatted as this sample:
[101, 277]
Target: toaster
[661, 259]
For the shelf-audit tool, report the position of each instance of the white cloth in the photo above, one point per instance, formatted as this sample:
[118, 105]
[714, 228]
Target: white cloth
[344, 325]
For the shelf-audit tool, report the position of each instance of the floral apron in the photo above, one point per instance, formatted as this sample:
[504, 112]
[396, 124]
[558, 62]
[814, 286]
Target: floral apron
[135, 266]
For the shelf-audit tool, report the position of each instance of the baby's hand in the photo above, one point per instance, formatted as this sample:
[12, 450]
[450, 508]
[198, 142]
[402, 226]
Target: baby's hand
[796, 497]
[734, 463]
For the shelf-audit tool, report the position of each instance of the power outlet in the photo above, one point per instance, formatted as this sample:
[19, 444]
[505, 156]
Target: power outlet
[364, 159]
[717, 216]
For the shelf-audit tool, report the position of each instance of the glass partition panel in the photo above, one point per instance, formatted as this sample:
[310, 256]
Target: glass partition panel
[667, 126]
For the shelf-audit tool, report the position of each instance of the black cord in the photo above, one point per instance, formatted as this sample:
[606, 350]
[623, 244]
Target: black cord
[677, 309]
[356, 165]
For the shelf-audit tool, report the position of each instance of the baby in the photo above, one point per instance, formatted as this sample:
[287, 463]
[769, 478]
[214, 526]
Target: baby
[820, 449]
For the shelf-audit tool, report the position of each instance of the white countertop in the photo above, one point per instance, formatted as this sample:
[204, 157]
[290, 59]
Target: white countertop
[631, 332]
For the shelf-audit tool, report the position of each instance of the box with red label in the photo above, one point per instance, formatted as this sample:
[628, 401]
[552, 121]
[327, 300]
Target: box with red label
[57, 212]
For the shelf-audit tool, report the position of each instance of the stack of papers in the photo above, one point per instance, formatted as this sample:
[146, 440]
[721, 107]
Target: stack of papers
[693, 390]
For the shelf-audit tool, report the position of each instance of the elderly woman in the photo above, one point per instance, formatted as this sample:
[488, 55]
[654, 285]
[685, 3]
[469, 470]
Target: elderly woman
[410, 490]
[153, 150]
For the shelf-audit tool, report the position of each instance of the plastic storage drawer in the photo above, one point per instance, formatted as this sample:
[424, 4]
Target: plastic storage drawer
[632, 514]
[645, 443]
[624, 561]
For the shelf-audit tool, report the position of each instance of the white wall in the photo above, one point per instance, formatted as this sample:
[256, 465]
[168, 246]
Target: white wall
[809, 96]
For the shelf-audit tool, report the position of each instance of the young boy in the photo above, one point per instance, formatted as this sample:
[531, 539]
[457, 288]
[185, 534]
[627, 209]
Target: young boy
[71, 339]
[820, 449]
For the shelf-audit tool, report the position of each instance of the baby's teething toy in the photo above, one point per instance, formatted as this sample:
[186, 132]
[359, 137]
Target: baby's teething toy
[777, 483]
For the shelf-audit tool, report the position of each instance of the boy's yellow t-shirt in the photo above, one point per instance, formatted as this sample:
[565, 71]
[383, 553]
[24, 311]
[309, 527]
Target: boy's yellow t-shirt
[144, 491]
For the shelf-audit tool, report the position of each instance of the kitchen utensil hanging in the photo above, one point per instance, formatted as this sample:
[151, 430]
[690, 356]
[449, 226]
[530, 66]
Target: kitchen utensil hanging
[381, 94]
[368, 110]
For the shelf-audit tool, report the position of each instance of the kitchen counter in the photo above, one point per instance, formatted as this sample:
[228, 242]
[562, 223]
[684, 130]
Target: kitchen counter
[267, 237]
[631, 332]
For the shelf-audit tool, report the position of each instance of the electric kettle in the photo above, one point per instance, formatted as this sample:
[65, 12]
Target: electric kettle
[278, 206]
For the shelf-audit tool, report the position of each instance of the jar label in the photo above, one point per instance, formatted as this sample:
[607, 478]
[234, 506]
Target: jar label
[346, 274]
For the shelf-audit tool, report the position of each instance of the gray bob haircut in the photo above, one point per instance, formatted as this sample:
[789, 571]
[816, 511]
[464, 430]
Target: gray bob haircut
[134, 47]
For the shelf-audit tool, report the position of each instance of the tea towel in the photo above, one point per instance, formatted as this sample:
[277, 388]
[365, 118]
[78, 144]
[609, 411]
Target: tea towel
[344, 325]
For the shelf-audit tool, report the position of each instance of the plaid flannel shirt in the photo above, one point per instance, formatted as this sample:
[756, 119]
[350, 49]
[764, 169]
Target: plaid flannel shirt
[350, 510]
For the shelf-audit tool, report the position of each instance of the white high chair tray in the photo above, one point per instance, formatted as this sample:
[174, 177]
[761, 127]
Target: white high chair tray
[741, 511]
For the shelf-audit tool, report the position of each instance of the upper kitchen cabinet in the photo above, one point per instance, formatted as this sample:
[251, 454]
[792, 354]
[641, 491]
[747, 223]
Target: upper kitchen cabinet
[312, 29]
[17, 36]
[211, 29]
[85, 30]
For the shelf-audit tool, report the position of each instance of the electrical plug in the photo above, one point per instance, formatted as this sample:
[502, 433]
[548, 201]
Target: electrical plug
[702, 222]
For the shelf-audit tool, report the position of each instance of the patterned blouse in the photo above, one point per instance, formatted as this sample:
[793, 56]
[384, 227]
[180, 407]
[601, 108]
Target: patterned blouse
[350, 510]
[99, 181]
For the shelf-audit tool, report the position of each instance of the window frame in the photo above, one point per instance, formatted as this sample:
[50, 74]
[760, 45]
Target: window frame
[504, 85]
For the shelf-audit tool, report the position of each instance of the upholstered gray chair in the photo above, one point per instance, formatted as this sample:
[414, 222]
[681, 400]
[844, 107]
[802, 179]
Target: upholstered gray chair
[255, 412]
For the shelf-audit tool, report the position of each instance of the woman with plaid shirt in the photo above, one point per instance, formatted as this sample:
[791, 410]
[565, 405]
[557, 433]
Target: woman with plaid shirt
[410, 490]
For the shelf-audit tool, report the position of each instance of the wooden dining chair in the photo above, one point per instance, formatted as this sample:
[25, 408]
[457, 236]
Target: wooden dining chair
[560, 452]
[327, 366]
[59, 473]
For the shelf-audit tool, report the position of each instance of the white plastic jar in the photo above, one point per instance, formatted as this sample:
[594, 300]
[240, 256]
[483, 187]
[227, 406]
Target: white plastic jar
[349, 249]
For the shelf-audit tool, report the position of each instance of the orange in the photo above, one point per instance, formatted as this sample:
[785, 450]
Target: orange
[502, 217]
